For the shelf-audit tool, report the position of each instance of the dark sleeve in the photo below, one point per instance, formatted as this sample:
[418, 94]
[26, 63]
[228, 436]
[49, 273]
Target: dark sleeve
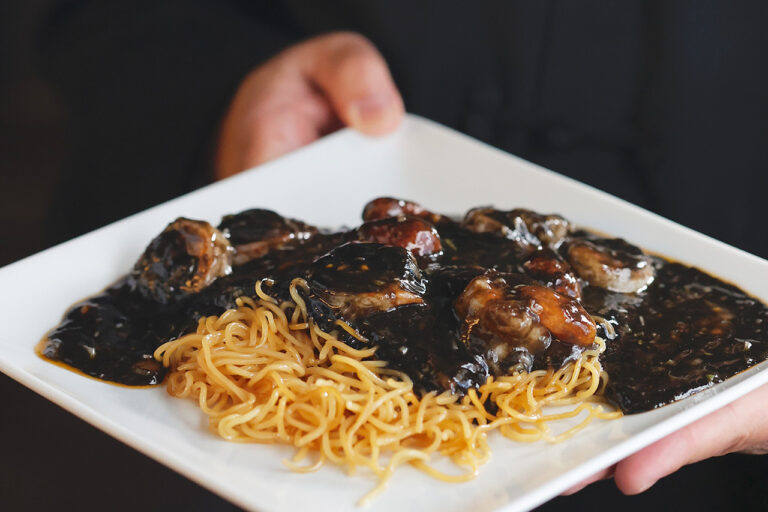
[144, 86]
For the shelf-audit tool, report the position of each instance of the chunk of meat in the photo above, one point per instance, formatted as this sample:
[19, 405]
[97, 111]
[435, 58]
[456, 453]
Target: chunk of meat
[510, 314]
[480, 291]
[185, 258]
[360, 278]
[489, 311]
[613, 264]
[529, 229]
[411, 233]
[384, 207]
[564, 316]
[554, 272]
[255, 232]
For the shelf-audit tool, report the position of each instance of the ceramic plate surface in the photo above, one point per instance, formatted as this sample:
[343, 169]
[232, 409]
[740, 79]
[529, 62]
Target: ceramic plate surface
[327, 184]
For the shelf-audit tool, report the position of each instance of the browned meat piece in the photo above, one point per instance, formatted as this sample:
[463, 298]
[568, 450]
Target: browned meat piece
[255, 232]
[384, 207]
[185, 258]
[490, 311]
[564, 316]
[411, 233]
[529, 229]
[359, 278]
[508, 315]
[554, 272]
[613, 264]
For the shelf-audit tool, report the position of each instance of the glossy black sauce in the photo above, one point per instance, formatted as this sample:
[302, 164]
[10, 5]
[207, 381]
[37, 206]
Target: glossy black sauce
[686, 331]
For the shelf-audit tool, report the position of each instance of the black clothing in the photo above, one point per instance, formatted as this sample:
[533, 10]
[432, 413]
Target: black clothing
[661, 103]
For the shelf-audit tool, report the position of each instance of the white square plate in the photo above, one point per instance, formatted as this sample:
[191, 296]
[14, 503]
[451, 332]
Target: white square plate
[327, 184]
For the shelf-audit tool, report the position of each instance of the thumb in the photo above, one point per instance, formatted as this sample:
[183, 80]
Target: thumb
[353, 75]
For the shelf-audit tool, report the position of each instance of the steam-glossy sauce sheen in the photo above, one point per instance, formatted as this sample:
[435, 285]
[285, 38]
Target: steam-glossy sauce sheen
[685, 331]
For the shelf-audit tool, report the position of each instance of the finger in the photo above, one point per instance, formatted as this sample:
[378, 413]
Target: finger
[742, 425]
[274, 112]
[283, 128]
[354, 76]
[600, 475]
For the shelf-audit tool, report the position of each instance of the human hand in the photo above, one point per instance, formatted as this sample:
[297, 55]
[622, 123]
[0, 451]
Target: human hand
[303, 93]
[741, 426]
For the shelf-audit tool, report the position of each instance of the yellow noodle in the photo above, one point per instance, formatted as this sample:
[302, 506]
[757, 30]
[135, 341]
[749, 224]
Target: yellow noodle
[264, 372]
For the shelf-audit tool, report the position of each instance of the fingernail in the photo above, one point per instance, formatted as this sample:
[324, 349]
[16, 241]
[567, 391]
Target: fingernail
[372, 114]
[647, 486]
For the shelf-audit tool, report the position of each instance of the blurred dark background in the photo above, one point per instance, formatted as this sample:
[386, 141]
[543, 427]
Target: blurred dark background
[33, 141]
[52, 460]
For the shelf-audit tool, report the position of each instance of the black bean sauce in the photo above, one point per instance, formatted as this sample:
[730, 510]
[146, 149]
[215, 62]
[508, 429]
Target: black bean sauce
[686, 332]
[683, 332]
